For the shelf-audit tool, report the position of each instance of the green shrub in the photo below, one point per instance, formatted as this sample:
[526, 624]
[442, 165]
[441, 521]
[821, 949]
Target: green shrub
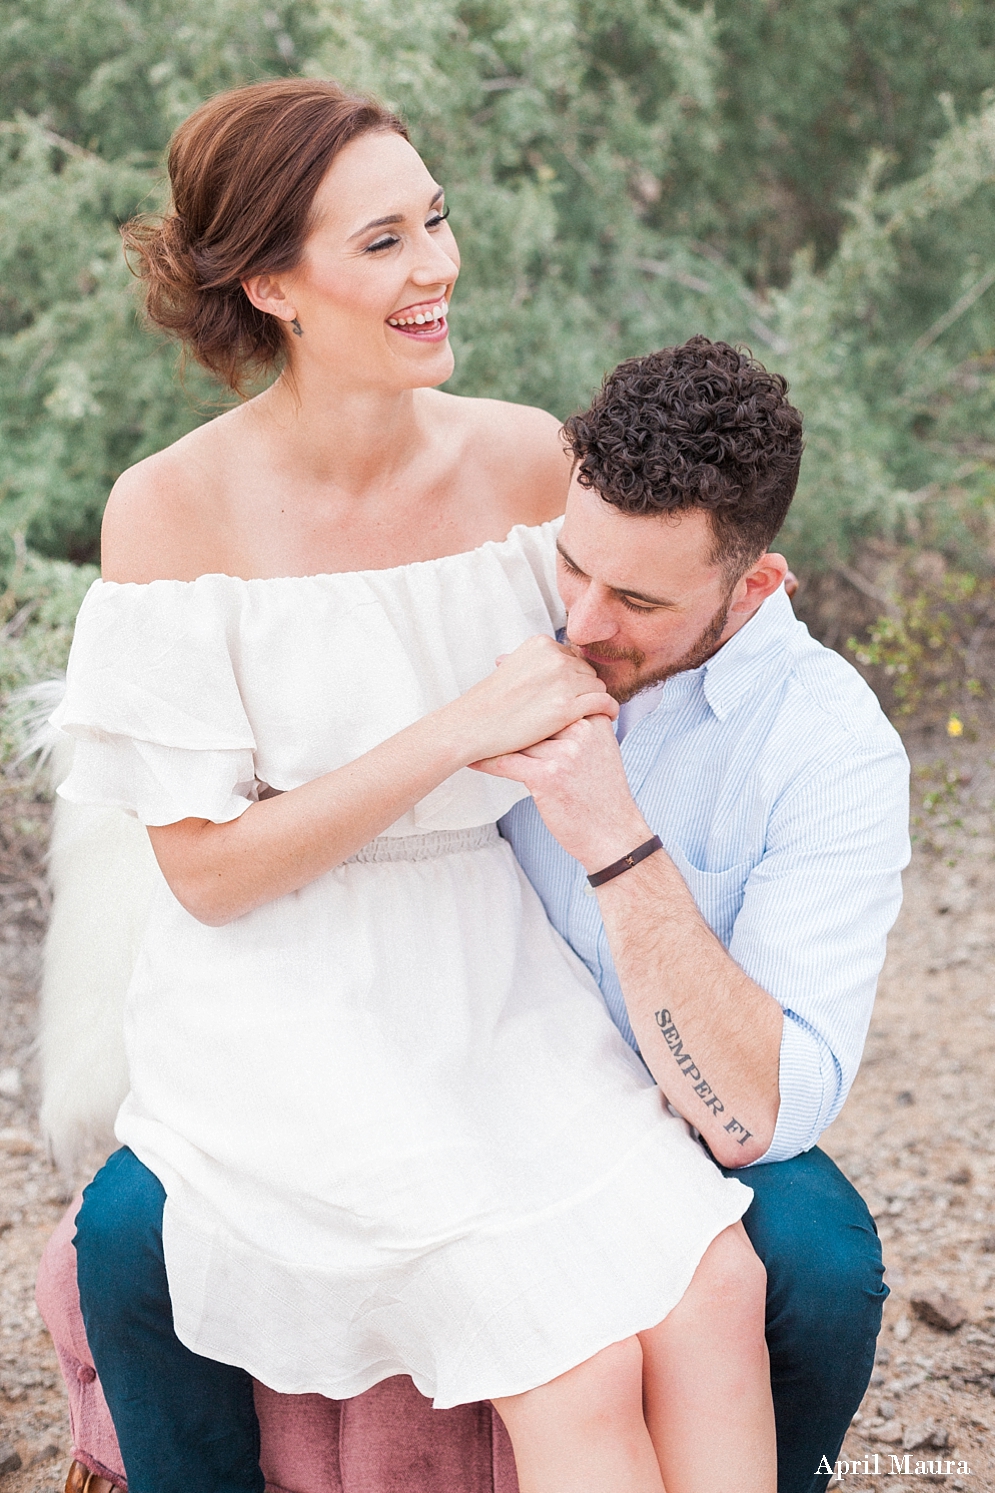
[37, 612]
[621, 175]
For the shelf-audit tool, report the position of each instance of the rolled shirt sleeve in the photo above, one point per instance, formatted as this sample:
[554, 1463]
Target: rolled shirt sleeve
[813, 926]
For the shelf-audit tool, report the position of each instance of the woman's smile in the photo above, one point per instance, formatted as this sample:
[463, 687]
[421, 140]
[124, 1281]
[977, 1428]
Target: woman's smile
[425, 320]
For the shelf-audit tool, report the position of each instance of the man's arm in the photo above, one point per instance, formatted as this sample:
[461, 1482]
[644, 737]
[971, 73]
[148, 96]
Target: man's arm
[809, 929]
[709, 1034]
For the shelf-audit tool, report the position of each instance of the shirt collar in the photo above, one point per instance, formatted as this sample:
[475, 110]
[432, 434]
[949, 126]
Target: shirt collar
[734, 670]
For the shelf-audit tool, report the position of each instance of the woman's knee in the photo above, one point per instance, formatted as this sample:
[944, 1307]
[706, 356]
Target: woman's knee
[731, 1278]
[724, 1306]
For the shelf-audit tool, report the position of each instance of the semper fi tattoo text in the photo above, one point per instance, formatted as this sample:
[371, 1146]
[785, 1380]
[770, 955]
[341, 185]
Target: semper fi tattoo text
[690, 1069]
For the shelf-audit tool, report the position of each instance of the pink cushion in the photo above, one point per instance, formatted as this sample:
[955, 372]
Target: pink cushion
[388, 1440]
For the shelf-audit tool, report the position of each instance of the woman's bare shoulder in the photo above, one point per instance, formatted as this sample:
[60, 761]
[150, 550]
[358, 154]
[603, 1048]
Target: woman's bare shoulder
[162, 513]
[522, 447]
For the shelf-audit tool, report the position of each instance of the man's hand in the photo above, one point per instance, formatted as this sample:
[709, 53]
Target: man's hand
[579, 786]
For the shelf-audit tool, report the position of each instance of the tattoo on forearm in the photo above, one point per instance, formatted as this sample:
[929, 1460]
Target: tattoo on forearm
[690, 1069]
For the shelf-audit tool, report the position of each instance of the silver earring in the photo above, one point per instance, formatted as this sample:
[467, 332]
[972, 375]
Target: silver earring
[298, 329]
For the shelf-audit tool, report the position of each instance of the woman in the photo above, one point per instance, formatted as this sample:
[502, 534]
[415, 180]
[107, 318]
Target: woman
[397, 1131]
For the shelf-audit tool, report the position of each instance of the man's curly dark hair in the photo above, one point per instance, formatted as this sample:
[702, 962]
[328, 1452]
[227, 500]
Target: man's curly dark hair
[703, 425]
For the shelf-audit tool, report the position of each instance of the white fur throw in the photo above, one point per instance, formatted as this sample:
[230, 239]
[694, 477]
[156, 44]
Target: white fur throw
[102, 873]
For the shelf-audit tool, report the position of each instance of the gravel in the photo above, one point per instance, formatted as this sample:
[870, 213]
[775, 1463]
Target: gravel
[917, 1137]
[34, 1424]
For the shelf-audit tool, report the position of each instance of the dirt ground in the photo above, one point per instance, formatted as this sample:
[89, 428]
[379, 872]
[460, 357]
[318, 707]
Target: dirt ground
[34, 1424]
[917, 1137]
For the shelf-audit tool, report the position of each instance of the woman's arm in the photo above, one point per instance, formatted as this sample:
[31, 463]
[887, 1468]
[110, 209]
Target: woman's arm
[221, 871]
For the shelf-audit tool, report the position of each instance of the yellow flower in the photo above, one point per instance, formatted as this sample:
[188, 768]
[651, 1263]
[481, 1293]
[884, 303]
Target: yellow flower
[955, 726]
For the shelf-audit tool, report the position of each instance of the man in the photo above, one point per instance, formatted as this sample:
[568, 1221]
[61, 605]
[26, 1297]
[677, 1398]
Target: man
[741, 958]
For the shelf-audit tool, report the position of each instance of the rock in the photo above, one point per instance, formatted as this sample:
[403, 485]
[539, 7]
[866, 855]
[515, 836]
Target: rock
[10, 1461]
[962, 1177]
[45, 1455]
[902, 1329]
[988, 1244]
[905, 1097]
[924, 1435]
[10, 1082]
[939, 1310]
[890, 1433]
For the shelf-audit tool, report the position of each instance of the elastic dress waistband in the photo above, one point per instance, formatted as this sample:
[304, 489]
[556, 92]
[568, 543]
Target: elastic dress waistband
[426, 847]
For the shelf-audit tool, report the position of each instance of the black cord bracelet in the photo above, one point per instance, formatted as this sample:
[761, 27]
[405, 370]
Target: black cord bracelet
[627, 862]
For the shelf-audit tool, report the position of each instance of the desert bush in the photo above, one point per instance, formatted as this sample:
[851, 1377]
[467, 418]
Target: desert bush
[928, 645]
[37, 610]
[813, 181]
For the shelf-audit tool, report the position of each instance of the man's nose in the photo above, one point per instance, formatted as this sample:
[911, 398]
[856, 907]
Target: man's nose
[589, 618]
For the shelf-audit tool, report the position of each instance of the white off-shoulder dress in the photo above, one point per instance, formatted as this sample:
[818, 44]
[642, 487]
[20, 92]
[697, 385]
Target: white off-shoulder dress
[397, 1129]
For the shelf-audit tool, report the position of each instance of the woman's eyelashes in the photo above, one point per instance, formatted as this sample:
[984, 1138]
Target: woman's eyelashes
[390, 239]
[379, 244]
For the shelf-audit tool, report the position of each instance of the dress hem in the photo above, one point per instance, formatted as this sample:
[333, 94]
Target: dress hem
[640, 1321]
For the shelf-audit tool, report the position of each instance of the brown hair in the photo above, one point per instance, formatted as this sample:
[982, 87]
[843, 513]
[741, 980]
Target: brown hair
[244, 169]
[703, 425]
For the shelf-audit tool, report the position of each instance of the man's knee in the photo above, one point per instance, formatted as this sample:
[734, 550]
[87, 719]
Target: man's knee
[119, 1226]
[818, 1242]
[848, 1272]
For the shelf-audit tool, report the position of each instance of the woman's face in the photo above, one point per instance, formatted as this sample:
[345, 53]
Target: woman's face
[372, 290]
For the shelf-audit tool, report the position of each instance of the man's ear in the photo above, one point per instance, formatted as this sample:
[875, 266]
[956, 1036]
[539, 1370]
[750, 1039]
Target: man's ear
[760, 581]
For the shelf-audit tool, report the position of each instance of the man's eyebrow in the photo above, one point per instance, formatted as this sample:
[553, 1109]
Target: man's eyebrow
[653, 601]
[390, 219]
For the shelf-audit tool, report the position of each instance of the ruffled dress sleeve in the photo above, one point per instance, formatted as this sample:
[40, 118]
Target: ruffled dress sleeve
[153, 703]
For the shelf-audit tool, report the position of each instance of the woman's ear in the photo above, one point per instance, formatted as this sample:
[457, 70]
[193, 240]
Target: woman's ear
[268, 293]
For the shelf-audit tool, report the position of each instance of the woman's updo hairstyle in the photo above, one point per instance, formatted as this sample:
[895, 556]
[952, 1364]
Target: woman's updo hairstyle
[244, 170]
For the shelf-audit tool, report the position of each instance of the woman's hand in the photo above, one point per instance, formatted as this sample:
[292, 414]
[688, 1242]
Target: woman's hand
[538, 690]
[221, 871]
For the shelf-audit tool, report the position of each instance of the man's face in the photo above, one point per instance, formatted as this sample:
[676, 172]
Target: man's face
[644, 597]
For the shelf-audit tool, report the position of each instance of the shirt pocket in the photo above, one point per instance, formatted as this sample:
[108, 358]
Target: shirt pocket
[718, 894]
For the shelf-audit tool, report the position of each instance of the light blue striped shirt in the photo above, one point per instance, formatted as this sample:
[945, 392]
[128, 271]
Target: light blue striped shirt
[781, 793]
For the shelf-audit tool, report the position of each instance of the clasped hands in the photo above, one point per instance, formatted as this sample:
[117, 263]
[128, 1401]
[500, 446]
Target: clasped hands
[577, 779]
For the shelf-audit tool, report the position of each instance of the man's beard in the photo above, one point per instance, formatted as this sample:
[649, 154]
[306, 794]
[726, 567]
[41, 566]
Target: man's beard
[699, 652]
